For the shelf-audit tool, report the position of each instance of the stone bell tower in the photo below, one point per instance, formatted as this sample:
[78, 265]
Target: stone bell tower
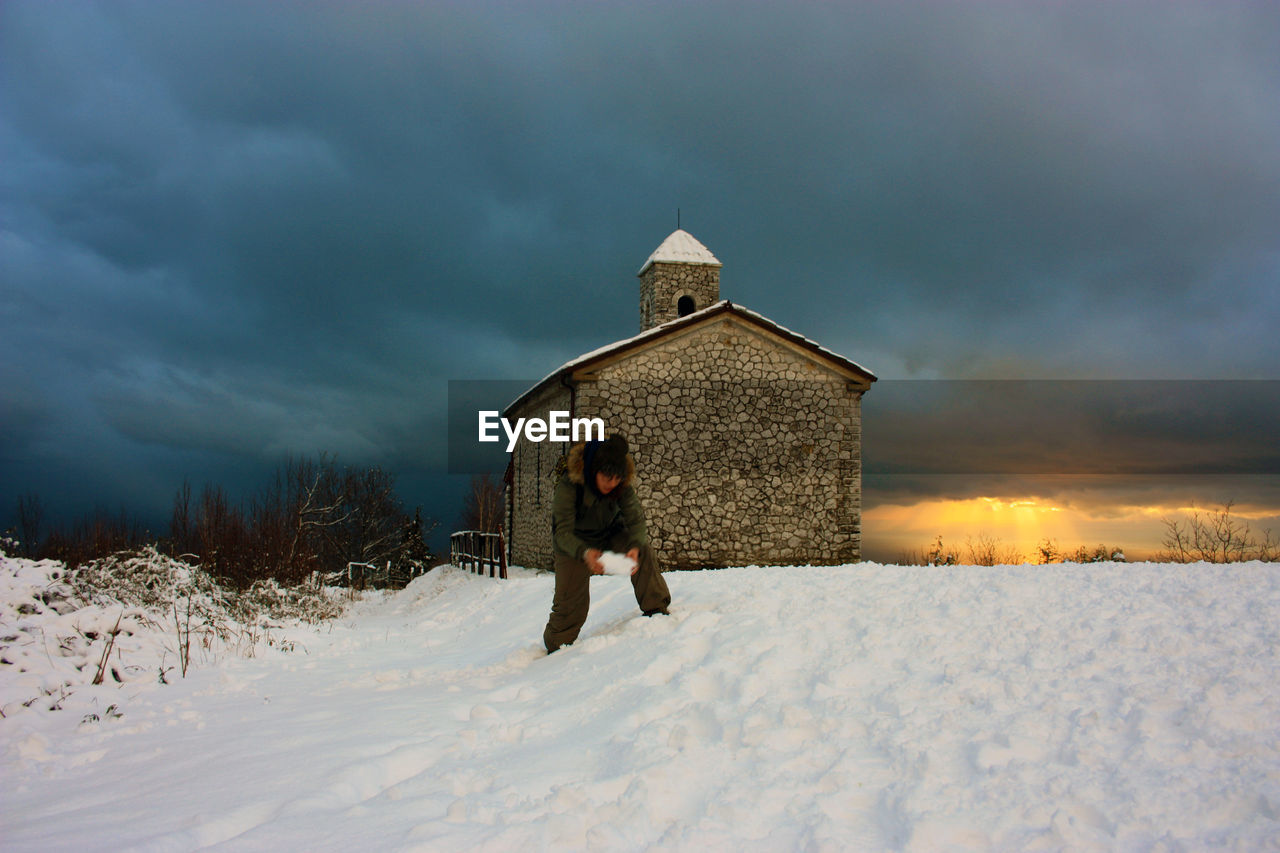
[680, 277]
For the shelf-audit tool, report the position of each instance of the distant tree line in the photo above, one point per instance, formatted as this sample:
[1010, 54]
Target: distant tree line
[987, 550]
[313, 516]
[97, 534]
[1199, 536]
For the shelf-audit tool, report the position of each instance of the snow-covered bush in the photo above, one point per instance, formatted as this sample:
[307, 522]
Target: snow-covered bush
[268, 599]
[151, 579]
[146, 578]
[131, 617]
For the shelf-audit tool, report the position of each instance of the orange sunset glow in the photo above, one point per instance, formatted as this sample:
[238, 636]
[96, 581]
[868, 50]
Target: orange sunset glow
[890, 531]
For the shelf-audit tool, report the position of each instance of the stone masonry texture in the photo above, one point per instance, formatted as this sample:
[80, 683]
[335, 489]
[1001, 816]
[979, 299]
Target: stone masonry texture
[662, 285]
[529, 495]
[747, 451]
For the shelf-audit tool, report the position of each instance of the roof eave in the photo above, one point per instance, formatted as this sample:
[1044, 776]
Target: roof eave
[652, 262]
[610, 351]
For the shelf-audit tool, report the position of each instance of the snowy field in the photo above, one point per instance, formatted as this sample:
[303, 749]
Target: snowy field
[867, 707]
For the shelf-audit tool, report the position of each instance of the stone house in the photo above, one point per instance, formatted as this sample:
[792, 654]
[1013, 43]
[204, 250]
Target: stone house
[746, 435]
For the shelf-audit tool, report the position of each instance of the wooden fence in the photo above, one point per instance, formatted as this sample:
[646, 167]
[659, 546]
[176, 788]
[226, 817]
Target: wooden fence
[361, 575]
[479, 553]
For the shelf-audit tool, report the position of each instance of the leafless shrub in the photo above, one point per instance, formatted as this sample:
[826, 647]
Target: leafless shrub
[934, 554]
[939, 555]
[106, 651]
[1047, 551]
[1215, 536]
[987, 550]
[182, 629]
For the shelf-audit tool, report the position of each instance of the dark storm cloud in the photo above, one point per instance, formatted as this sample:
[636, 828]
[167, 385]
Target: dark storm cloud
[1064, 427]
[233, 230]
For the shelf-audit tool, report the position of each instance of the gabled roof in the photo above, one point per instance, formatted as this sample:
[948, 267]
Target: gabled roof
[723, 307]
[680, 247]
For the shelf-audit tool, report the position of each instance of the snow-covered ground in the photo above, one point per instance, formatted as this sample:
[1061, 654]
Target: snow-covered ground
[866, 707]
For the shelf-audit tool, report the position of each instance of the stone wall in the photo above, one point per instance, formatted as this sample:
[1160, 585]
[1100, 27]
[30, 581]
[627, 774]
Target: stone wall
[662, 285]
[529, 498]
[747, 451]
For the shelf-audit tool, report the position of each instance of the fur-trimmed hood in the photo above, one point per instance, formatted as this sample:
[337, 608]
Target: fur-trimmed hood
[572, 466]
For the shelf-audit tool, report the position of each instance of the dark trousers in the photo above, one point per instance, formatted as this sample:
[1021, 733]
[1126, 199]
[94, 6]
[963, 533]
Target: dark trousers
[573, 594]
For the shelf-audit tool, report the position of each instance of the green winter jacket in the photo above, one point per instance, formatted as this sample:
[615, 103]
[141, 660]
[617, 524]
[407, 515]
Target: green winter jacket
[582, 519]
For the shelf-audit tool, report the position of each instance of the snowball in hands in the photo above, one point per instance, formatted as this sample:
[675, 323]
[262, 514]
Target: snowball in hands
[617, 564]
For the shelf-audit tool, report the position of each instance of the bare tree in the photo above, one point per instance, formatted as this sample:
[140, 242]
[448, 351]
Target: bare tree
[1214, 536]
[482, 507]
[315, 510]
[224, 538]
[372, 524]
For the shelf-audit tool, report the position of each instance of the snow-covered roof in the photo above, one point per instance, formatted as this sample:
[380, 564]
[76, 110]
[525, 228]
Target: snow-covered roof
[681, 248]
[723, 306]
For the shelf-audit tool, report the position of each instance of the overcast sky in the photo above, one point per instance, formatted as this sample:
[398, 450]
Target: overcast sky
[231, 231]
